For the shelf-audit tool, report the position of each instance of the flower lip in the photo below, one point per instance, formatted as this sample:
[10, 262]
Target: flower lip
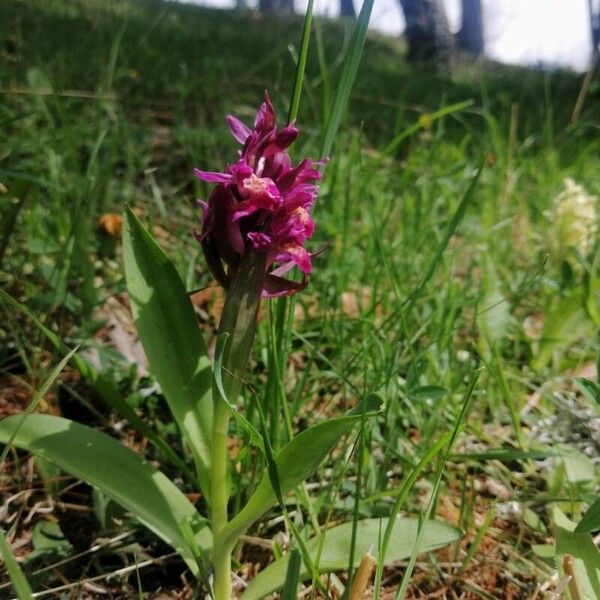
[255, 185]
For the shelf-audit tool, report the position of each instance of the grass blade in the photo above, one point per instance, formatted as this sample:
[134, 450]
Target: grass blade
[35, 401]
[292, 578]
[425, 516]
[348, 76]
[301, 66]
[402, 494]
[17, 577]
[425, 120]
[410, 301]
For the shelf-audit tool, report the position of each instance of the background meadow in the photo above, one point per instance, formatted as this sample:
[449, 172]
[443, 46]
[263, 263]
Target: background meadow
[449, 285]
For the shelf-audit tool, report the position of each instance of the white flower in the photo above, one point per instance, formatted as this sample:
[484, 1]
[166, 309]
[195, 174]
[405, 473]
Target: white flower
[574, 218]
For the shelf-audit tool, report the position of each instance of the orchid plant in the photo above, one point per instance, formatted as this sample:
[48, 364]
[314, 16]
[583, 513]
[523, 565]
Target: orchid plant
[253, 231]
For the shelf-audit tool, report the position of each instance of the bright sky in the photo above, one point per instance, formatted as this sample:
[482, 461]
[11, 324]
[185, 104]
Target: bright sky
[553, 32]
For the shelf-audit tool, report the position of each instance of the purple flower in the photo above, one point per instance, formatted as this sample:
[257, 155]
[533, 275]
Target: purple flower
[261, 204]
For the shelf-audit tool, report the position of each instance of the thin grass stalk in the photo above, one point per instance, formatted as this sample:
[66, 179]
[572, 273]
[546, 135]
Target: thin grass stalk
[403, 491]
[355, 513]
[411, 300]
[348, 76]
[17, 577]
[401, 592]
[301, 67]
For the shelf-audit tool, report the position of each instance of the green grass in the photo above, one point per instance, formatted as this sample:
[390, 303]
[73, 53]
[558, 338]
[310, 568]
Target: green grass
[110, 103]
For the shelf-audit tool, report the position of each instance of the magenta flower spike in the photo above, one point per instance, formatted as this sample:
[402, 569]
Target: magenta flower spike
[261, 204]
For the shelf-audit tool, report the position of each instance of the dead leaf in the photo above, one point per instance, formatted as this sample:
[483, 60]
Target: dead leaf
[533, 325]
[121, 333]
[350, 305]
[111, 224]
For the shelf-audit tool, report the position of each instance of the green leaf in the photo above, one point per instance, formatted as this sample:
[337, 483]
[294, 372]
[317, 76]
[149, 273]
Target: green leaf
[590, 520]
[254, 437]
[17, 577]
[301, 457]
[294, 462]
[428, 392]
[591, 389]
[350, 68]
[579, 468]
[494, 318]
[566, 322]
[301, 66]
[532, 519]
[174, 345]
[292, 576]
[546, 553]
[583, 557]
[335, 549]
[120, 473]
[49, 543]
[369, 405]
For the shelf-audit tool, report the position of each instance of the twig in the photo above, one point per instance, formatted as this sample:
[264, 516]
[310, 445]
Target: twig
[105, 576]
[362, 578]
[585, 86]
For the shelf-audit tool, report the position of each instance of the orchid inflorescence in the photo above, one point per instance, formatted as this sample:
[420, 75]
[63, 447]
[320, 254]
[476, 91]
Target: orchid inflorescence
[261, 204]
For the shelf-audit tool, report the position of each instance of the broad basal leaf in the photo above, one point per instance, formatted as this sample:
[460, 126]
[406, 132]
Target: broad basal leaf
[578, 557]
[336, 549]
[590, 520]
[295, 462]
[120, 473]
[170, 335]
[566, 322]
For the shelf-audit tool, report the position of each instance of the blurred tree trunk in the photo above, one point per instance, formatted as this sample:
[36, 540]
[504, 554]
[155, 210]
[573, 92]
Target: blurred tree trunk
[594, 6]
[281, 7]
[470, 36]
[427, 31]
[347, 8]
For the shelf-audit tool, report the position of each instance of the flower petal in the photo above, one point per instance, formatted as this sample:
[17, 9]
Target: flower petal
[300, 195]
[276, 287]
[240, 131]
[297, 254]
[259, 241]
[265, 119]
[283, 139]
[212, 176]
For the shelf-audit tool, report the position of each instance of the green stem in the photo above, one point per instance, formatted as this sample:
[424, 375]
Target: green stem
[222, 571]
[238, 323]
[220, 467]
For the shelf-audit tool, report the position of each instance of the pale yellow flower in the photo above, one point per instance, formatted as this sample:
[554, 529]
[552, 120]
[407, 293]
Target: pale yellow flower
[574, 219]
